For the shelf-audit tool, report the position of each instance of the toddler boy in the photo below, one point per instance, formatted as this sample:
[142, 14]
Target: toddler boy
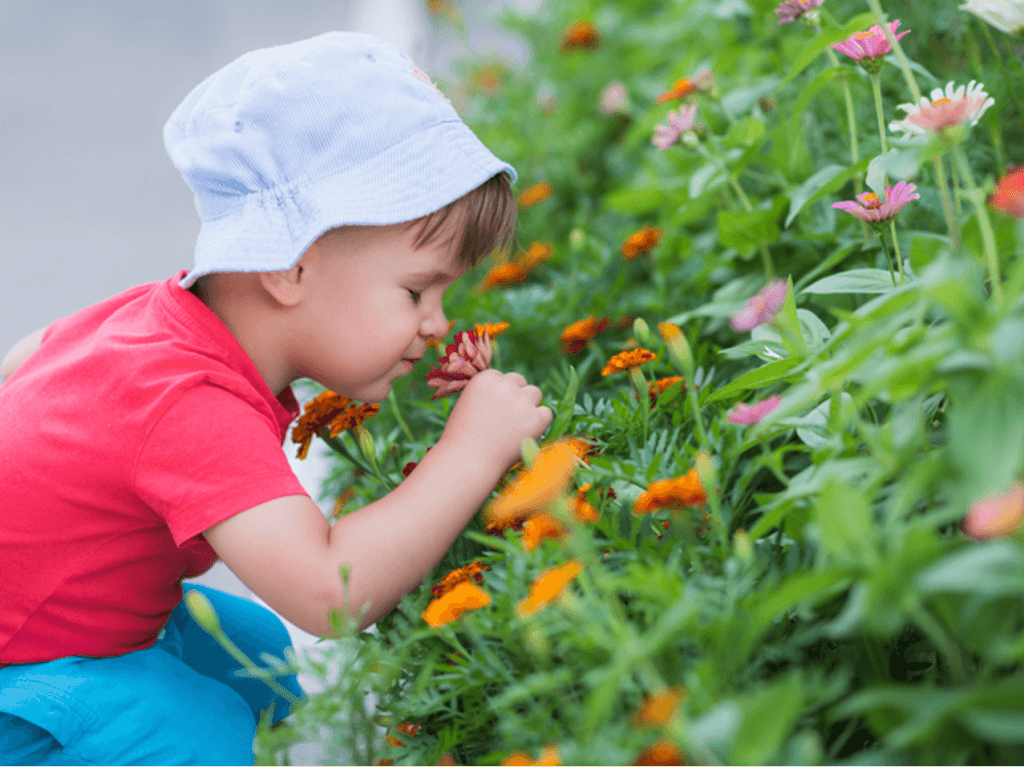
[340, 195]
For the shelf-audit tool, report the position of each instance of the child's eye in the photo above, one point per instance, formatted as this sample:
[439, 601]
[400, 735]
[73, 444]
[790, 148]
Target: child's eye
[415, 296]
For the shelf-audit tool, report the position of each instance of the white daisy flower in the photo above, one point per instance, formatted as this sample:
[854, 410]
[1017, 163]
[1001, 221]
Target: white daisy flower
[1005, 15]
[954, 106]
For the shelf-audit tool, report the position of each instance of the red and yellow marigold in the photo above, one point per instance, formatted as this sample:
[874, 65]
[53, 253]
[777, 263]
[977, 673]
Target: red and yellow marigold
[474, 571]
[534, 194]
[628, 359]
[579, 333]
[328, 410]
[491, 329]
[537, 486]
[580, 34]
[450, 606]
[641, 241]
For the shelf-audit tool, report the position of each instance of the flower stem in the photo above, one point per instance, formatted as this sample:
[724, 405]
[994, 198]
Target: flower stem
[851, 123]
[896, 248]
[876, 87]
[888, 256]
[908, 75]
[398, 415]
[988, 238]
[956, 185]
[947, 206]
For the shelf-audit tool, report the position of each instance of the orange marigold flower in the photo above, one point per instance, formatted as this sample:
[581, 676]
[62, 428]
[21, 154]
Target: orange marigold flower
[438, 343]
[580, 34]
[583, 511]
[672, 493]
[474, 571]
[657, 709]
[548, 756]
[450, 606]
[539, 527]
[1009, 194]
[576, 336]
[443, 8]
[492, 329]
[641, 241]
[535, 487]
[628, 359]
[328, 410]
[338, 509]
[409, 729]
[503, 274]
[534, 193]
[580, 447]
[537, 253]
[704, 81]
[548, 587]
[658, 387]
[661, 752]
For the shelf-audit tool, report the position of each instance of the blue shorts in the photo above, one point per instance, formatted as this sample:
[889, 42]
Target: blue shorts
[177, 702]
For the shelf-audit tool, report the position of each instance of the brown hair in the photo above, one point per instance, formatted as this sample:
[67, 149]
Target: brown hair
[490, 214]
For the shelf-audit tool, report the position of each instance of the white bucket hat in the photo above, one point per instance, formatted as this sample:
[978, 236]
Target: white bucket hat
[287, 142]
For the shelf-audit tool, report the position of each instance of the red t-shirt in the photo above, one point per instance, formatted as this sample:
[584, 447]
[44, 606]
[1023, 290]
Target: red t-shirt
[139, 423]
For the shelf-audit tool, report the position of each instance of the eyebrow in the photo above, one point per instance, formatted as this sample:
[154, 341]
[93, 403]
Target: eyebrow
[432, 278]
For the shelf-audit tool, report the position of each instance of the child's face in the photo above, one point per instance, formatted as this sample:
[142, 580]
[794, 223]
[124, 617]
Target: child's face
[362, 324]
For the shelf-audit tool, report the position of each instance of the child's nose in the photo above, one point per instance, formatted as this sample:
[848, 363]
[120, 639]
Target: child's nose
[435, 324]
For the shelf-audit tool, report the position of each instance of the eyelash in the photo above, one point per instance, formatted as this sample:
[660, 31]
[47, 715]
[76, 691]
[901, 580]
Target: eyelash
[415, 296]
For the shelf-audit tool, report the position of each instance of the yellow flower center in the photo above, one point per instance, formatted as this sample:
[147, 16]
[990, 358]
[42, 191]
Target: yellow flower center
[862, 35]
[940, 101]
[870, 200]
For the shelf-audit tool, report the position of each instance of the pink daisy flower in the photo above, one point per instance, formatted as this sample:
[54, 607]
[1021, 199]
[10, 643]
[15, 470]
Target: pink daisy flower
[467, 355]
[791, 10]
[748, 415]
[762, 308]
[995, 516]
[679, 122]
[868, 48]
[614, 98]
[952, 106]
[875, 211]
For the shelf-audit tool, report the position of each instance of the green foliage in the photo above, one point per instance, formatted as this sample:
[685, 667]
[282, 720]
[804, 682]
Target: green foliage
[824, 606]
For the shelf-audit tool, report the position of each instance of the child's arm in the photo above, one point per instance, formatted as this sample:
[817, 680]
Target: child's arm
[20, 352]
[288, 554]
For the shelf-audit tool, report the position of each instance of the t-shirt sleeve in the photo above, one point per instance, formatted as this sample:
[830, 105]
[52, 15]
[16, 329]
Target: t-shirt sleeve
[209, 456]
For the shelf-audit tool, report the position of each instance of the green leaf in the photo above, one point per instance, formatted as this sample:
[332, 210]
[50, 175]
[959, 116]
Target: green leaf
[901, 163]
[992, 569]
[853, 281]
[845, 524]
[757, 378]
[768, 716]
[826, 181]
[565, 407]
[636, 201]
[745, 132]
[788, 324]
[745, 230]
[808, 92]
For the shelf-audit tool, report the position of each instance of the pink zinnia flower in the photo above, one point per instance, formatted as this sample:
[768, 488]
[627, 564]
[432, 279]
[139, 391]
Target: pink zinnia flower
[466, 356]
[870, 47]
[954, 106]
[762, 308]
[613, 98]
[791, 10]
[995, 515]
[869, 208]
[748, 415]
[679, 122]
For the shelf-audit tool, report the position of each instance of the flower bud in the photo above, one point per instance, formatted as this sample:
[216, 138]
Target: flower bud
[642, 332]
[202, 612]
[678, 348]
[705, 471]
[366, 445]
[577, 238]
[742, 546]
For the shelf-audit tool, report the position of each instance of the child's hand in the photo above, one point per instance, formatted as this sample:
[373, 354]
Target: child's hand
[495, 413]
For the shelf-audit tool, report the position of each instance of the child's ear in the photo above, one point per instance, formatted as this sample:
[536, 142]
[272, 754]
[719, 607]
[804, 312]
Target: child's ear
[284, 286]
